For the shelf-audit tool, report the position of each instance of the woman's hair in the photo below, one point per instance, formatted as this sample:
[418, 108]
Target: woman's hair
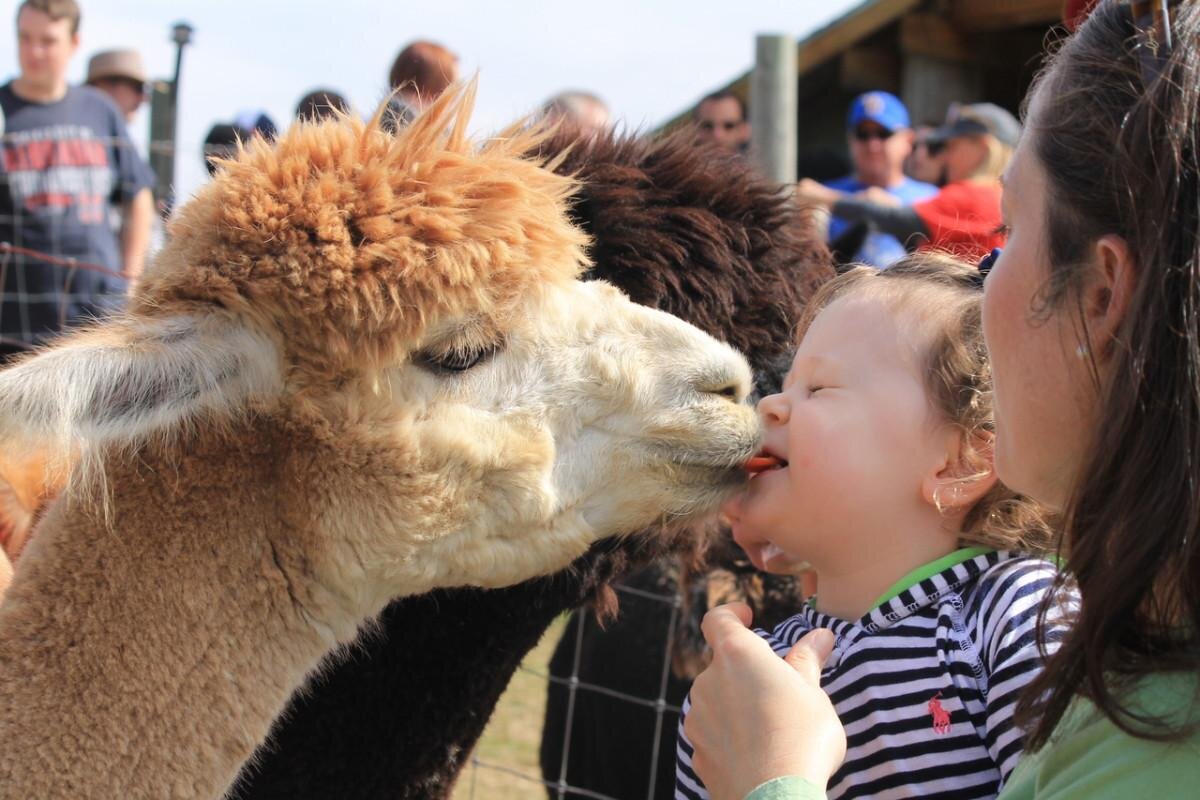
[941, 298]
[996, 161]
[1119, 150]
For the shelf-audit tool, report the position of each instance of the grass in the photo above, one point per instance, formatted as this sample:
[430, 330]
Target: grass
[513, 735]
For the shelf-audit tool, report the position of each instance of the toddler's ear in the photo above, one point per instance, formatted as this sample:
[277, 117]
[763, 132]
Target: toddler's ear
[966, 475]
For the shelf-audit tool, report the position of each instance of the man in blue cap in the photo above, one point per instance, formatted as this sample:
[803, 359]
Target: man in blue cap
[880, 139]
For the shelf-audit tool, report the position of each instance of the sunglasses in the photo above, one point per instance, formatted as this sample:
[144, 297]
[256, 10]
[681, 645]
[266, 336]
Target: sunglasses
[709, 125]
[867, 134]
[1152, 20]
[931, 147]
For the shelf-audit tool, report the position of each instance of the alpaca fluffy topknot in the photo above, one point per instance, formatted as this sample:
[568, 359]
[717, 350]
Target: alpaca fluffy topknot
[350, 239]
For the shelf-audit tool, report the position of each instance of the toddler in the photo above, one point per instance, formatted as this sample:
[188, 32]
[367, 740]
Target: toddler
[876, 470]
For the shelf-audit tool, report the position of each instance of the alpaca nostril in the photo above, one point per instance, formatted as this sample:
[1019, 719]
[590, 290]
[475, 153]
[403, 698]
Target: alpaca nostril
[729, 390]
[730, 387]
[722, 373]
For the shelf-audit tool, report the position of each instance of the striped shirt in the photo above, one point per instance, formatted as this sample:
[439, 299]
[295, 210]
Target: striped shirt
[926, 683]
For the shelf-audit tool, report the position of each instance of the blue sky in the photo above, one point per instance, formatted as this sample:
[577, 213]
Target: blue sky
[648, 59]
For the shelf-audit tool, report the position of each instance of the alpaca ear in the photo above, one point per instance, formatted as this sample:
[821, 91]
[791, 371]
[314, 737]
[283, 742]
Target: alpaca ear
[132, 377]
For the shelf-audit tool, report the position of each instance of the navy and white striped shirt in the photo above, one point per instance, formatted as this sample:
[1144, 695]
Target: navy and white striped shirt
[926, 683]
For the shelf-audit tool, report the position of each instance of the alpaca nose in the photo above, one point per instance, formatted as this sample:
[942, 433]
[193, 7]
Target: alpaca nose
[730, 380]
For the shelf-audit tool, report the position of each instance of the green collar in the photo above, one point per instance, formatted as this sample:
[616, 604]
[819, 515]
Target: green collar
[929, 570]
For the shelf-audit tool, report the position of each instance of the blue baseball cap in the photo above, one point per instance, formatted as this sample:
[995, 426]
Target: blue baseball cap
[882, 108]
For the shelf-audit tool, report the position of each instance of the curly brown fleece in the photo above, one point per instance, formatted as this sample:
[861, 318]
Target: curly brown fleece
[693, 231]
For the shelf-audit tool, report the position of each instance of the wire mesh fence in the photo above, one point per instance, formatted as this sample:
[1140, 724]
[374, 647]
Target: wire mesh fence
[66, 218]
[581, 723]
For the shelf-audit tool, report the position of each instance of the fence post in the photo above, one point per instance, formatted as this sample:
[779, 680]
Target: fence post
[773, 106]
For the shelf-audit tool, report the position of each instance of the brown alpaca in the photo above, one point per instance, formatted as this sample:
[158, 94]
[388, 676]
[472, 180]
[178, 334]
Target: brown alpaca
[362, 369]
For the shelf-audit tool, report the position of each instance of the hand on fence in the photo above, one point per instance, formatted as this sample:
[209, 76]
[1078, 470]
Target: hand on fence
[755, 716]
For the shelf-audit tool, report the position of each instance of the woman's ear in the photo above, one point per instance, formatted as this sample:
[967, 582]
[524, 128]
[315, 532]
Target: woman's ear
[966, 475]
[1107, 293]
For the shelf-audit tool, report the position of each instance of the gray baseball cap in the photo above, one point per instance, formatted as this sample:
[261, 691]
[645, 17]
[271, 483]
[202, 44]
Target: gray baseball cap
[978, 119]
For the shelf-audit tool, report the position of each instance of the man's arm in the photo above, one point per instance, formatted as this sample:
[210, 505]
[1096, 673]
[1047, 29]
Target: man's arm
[137, 217]
[899, 221]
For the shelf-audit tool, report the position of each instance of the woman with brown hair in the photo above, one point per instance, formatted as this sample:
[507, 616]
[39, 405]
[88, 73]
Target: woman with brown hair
[1092, 319]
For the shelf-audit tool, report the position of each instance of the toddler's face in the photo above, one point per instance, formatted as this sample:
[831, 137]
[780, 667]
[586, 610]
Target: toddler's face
[854, 435]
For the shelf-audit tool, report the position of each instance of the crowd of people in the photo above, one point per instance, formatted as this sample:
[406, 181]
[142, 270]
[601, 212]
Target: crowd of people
[876, 214]
[984, 450]
[77, 192]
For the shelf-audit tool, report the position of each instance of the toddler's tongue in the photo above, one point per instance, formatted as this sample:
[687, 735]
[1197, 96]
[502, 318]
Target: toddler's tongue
[763, 462]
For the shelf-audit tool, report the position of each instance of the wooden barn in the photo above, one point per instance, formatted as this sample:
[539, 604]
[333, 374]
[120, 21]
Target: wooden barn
[929, 52]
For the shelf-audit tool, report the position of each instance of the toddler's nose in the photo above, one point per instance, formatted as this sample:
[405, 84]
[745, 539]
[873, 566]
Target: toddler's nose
[773, 410]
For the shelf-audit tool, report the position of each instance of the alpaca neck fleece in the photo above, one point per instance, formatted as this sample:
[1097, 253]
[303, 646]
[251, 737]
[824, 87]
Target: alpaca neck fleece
[147, 655]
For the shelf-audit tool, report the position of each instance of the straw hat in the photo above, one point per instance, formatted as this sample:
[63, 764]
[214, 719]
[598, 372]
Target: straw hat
[126, 64]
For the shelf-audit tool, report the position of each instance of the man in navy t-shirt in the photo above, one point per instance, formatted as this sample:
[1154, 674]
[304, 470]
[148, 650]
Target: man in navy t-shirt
[64, 157]
[880, 139]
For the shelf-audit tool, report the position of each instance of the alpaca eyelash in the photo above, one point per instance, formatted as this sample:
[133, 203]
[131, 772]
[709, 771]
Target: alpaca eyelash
[456, 359]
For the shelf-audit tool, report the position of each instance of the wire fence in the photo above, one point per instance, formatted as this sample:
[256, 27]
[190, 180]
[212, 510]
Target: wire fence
[554, 781]
[65, 217]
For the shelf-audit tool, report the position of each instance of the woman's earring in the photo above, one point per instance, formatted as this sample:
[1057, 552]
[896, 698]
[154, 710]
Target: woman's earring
[1082, 351]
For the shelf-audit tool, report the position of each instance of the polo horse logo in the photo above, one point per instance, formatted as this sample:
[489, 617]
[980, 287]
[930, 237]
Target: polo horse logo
[941, 718]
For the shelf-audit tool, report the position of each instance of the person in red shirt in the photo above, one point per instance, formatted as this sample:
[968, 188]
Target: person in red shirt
[964, 217]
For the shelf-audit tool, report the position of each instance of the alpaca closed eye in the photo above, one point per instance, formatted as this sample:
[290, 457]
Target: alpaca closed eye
[456, 360]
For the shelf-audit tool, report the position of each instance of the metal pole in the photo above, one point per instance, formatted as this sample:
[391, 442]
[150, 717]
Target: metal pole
[773, 107]
[164, 117]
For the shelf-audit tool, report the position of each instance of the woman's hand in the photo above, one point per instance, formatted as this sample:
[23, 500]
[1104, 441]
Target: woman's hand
[756, 716]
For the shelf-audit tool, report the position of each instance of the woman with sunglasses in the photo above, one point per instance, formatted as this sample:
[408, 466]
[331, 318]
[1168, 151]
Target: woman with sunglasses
[1092, 320]
[925, 163]
[964, 216]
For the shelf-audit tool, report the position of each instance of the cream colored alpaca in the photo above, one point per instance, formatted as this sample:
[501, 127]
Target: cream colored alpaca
[362, 368]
